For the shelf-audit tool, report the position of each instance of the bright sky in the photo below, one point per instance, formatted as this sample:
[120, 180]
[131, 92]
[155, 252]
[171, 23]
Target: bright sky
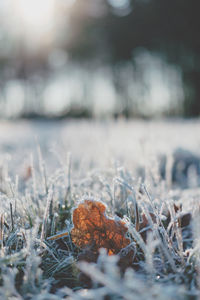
[33, 17]
[35, 13]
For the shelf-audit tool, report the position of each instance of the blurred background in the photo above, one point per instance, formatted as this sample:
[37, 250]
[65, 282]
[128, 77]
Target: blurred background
[99, 58]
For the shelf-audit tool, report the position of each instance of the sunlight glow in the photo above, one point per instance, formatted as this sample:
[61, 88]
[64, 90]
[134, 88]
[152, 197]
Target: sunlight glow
[36, 14]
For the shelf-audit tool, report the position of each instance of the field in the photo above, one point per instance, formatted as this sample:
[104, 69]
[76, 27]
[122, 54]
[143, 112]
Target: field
[145, 172]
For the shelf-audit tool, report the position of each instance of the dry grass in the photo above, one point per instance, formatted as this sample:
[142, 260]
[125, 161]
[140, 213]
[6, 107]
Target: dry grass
[40, 185]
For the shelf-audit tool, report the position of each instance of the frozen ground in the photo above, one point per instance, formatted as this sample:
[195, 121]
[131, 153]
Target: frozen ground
[47, 167]
[94, 144]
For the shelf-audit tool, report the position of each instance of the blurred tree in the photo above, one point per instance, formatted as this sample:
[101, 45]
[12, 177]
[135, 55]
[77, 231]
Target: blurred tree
[112, 32]
[170, 28]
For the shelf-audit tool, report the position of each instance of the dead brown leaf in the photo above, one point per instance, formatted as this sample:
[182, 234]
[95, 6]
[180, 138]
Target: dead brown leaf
[92, 228]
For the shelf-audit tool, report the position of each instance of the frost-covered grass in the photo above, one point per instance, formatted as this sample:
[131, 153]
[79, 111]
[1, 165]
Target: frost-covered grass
[47, 168]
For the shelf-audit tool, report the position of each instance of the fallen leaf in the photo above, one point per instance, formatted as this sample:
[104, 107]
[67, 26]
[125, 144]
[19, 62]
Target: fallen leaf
[92, 228]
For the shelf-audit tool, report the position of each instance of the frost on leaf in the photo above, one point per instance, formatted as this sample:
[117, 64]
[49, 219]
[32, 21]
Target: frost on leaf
[92, 228]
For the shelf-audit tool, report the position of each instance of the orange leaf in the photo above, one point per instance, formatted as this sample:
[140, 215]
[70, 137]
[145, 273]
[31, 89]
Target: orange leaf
[92, 228]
